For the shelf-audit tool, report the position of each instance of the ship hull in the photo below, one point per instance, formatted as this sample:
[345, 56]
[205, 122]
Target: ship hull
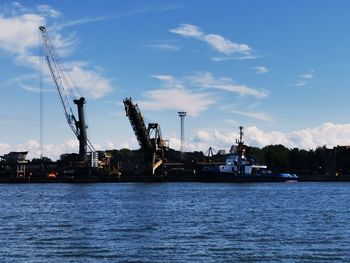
[230, 177]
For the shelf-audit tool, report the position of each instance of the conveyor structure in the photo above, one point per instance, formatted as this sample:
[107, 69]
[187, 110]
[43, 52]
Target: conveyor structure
[150, 138]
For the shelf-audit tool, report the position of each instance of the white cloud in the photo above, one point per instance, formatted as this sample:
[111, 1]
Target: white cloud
[164, 46]
[207, 80]
[174, 96]
[167, 78]
[304, 79]
[169, 81]
[20, 38]
[134, 12]
[177, 99]
[224, 45]
[261, 70]
[328, 134]
[33, 148]
[187, 30]
[192, 101]
[132, 144]
[218, 42]
[300, 83]
[255, 115]
[20, 33]
[307, 76]
[34, 89]
[64, 45]
[89, 82]
[240, 57]
[16, 6]
[54, 151]
[45, 9]
[77, 22]
[4, 148]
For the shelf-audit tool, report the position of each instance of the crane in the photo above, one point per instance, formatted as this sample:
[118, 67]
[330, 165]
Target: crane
[150, 138]
[60, 79]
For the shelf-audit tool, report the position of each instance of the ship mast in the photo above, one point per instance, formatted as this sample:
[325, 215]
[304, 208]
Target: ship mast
[241, 134]
[240, 143]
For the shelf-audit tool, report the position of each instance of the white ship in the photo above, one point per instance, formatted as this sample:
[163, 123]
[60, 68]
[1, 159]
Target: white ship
[238, 167]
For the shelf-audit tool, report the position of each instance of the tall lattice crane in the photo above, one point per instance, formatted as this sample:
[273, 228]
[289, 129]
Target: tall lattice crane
[150, 139]
[60, 79]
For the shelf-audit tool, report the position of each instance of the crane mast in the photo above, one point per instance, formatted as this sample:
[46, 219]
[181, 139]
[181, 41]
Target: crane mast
[78, 126]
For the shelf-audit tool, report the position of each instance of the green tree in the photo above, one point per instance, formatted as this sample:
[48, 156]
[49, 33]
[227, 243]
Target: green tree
[276, 157]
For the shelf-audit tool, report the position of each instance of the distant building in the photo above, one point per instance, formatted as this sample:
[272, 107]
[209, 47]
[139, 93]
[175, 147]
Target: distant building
[16, 161]
[15, 156]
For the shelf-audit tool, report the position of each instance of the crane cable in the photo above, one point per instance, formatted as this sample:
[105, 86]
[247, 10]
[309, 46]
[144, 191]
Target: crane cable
[41, 83]
[64, 79]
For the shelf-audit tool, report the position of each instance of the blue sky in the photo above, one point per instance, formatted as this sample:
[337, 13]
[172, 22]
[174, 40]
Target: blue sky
[279, 68]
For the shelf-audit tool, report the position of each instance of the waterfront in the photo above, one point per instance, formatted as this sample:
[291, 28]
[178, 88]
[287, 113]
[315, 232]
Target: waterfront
[175, 222]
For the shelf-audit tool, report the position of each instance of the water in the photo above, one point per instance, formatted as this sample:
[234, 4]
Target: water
[175, 222]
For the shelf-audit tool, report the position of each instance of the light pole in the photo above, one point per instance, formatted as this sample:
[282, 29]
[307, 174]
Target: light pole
[182, 115]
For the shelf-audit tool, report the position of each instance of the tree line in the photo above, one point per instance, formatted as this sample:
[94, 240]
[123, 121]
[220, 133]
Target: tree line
[278, 158]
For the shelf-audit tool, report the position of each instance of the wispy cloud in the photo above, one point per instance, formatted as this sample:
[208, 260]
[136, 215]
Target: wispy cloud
[184, 100]
[174, 96]
[20, 37]
[20, 33]
[172, 7]
[261, 70]
[90, 82]
[230, 122]
[35, 89]
[191, 93]
[188, 30]
[169, 81]
[304, 79]
[216, 41]
[207, 80]
[19, 79]
[307, 76]
[239, 57]
[89, 20]
[46, 9]
[164, 46]
[255, 115]
[130, 13]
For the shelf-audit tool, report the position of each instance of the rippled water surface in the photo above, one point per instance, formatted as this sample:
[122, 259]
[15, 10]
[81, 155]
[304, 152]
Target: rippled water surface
[175, 222]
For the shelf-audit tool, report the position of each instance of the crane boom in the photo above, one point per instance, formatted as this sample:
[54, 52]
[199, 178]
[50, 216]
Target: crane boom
[77, 125]
[136, 120]
[150, 139]
[57, 76]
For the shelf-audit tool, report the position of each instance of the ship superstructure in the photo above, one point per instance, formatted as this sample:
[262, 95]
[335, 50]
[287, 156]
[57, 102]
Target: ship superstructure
[237, 163]
[239, 167]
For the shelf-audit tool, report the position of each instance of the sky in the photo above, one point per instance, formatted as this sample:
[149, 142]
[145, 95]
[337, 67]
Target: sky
[279, 68]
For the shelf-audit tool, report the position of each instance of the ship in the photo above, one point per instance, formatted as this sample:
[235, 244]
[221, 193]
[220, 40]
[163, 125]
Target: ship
[240, 168]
